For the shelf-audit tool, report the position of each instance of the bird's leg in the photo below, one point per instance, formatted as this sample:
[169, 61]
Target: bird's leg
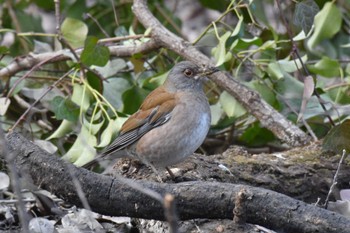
[171, 173]
[159, 178]
[155, 170]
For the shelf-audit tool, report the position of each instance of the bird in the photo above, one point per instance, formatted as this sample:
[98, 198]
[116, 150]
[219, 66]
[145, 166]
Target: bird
[171, 123]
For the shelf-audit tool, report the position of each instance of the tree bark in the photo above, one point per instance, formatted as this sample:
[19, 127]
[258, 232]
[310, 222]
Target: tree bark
[196, 199]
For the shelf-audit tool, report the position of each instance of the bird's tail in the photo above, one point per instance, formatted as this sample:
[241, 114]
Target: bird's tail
[92, 162]
[106, 154]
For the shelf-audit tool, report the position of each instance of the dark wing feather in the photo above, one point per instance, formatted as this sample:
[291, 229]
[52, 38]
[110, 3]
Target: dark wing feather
[155, 111]
[127, 138]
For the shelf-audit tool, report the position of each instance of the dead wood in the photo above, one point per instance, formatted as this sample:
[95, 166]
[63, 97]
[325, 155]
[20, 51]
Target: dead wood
[195, 199]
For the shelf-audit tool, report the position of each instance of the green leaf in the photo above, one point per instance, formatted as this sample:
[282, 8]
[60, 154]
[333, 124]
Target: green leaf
[113, 89]
[4, 50]
[76, 9]
[219, 52]
[121, 31]
[65, 128]
[257, 136]
[338, 138]
[74, 31]
[138, 64]
[340, 95]
[29, 22]
[133, 98]
[93, 53]
[274, 70]
[278, 69]
[41, 47]
[65, 109]
[81, 96]
[157, 80]
[231, 106]
[95, 81]
[327, 24]
[111, 68]
[94, 127]
[219, 5]
[245, 43]
[238, 27]
[111, 130]
[291, 91]
[82, 151]
[263, 90]
[304, 14]
[216, 113]
[4, 104]
[326, 67]
[291, 65]
[309, 87]
[47, 5]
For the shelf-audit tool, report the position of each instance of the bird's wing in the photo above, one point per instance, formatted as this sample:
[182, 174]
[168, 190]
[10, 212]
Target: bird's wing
[155, 111]
[158, 103]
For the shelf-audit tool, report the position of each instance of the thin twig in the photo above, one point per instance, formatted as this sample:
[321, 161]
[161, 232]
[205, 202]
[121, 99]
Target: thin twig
[170, 213]
[98, 24]
[295, 52]
[309, 129]
[121, 38]
[61, 55]
[239, 212]
[228, 10]
[28, 73]
[24, 104]
[115, 13]
[64, 41]
[37, 100]
[78, 188]
[138, 187]
[15, 182]
[168, 19]
[16, 24]
[30, 200]
[335, 178]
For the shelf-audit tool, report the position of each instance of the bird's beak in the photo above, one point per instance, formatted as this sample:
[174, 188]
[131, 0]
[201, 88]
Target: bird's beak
[207, 71]
[211, 70]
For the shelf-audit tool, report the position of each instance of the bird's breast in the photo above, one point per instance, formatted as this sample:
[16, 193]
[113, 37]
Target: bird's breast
[179, 137]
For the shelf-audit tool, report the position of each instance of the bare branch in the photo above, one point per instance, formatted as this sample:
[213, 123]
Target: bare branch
[240, 211]
[335, 178]
[296, 54]
[170, 213]
[37, 100]
[250, 100]
[27, 62]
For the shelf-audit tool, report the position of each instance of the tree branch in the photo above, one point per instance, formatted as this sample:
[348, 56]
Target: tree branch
[196, 199]
[31, 60]
[161, 37]
[250, 100]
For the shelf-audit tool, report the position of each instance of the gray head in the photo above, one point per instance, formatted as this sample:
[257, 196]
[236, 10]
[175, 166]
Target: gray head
[187, 75]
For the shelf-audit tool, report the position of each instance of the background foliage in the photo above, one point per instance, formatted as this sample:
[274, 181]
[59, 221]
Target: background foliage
[294, 53]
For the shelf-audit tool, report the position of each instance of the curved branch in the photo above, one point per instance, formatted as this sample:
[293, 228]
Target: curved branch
[196, 199]
[31, 60]
[250, 100]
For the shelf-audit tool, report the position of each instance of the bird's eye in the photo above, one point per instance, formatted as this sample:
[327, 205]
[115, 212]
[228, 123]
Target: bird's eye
[188, 72]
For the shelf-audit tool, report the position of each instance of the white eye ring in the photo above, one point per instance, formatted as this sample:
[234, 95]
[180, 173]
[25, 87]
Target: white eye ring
[188, 72]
